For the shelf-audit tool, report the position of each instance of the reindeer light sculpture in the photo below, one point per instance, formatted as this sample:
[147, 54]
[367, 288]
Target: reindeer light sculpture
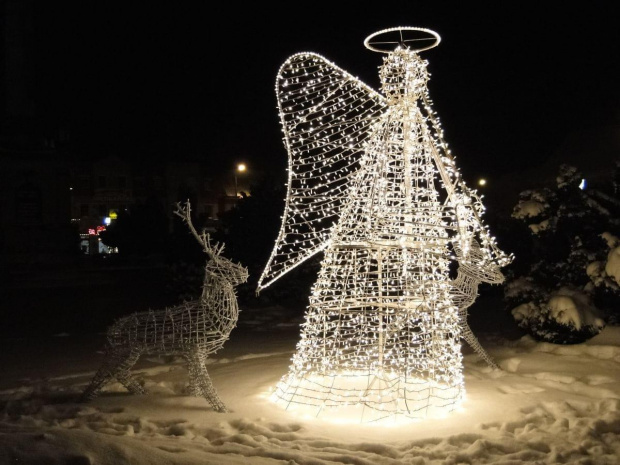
[194, 329]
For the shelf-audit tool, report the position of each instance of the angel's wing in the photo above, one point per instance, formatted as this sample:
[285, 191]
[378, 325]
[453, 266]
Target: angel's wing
[325, 114]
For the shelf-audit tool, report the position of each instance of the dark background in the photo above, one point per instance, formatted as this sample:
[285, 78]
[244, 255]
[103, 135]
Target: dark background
[510, 83]
[518, 88]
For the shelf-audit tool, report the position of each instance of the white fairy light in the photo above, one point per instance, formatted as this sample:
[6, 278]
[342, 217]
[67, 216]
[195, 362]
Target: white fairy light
[373, 185]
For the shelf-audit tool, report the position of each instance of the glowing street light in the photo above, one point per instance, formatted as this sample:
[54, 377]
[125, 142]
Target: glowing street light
[241, 167]
[482, 182]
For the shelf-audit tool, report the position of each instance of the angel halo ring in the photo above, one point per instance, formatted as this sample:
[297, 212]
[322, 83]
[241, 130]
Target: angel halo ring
[385, 40]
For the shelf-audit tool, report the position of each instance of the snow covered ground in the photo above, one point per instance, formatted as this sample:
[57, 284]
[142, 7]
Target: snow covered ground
[549, 405]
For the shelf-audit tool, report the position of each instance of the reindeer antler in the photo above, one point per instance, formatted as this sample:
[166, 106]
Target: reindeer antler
[185, 213]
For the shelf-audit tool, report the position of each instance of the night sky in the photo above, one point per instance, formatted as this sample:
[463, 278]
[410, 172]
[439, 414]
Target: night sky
[510, 84]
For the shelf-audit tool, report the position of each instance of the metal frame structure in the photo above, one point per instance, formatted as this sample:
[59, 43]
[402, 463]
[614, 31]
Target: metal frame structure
[373, 186]
[194, 329]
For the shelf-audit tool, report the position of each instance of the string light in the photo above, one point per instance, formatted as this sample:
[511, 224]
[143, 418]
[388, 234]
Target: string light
[373, 185]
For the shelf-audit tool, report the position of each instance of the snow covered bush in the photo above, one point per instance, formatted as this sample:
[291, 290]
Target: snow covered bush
[567, 316]
[567, 286]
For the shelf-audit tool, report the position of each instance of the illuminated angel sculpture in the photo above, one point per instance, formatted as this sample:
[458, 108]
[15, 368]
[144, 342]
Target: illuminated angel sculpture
[194, 329]
[374, 187]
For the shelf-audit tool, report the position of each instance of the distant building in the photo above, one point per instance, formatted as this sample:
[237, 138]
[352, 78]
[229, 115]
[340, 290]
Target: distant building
[55, 201]
[103, 189]
[34, 208]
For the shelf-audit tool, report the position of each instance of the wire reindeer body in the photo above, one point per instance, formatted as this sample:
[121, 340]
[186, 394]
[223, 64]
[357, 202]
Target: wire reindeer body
[373, 186]
[193, 329]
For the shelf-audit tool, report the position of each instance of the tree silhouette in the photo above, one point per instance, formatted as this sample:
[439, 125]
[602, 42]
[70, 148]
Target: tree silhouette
[139, 231]
[564, 226]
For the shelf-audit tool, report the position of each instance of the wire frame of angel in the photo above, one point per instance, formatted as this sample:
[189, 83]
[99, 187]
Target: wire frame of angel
[373, 186]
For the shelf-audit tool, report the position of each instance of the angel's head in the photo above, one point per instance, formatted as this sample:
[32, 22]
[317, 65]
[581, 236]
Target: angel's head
[403, 75]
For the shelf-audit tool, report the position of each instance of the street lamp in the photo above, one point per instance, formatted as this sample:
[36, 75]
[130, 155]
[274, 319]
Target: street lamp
[240, 169]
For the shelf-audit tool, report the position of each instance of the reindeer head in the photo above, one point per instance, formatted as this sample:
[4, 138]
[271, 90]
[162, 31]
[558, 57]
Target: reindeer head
[225, 269]
[218, 265]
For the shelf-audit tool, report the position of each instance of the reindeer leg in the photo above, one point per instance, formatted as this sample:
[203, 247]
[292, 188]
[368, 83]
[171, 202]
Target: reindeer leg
[195, 374]
[198, 369]
[113, 359]
[123, 373]
[472, 340]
